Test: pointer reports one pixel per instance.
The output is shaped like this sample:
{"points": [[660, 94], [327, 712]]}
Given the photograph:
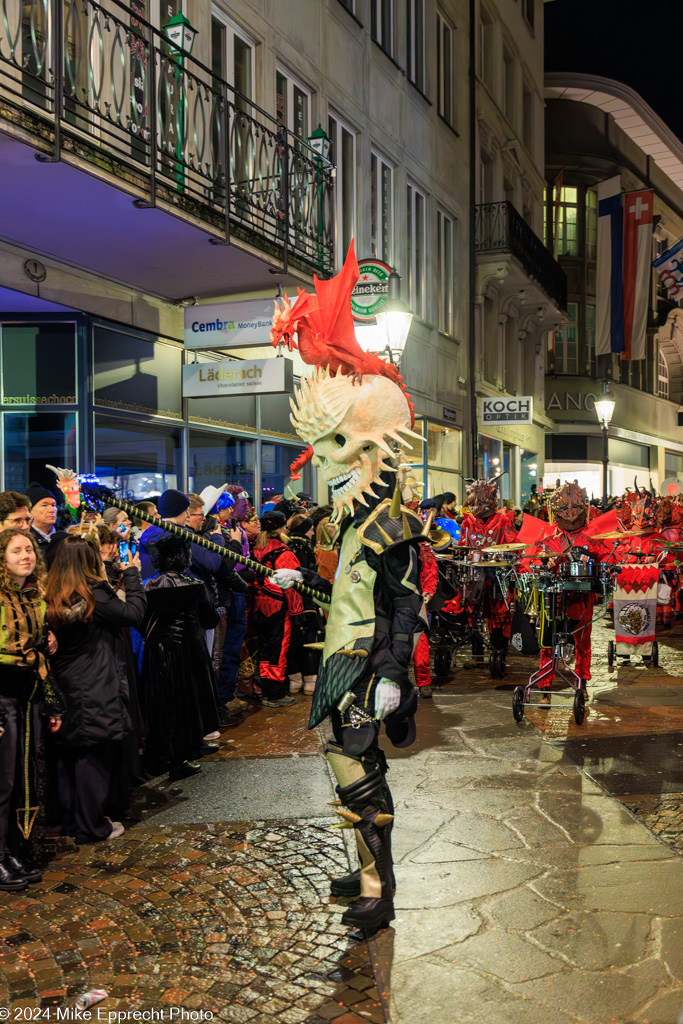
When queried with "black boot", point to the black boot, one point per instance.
{"points": [[27, 871], [367, 800], [9, 881], [347, 885]]}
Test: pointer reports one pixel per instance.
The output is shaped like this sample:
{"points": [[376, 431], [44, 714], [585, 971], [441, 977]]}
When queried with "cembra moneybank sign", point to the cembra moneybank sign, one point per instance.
{"points": [[229, 324], [237, 377]]}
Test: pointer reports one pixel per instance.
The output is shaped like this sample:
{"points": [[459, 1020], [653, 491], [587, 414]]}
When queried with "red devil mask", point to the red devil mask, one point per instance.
{"points": [[482, 498], [644, 512], [569, 506]]}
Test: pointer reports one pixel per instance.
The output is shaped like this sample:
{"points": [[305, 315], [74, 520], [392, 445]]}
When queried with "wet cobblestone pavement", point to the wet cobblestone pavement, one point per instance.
{"points": [[538, 865]]}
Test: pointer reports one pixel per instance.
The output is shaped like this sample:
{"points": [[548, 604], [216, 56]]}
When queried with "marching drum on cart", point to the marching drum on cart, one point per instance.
{"points": [[557, 589]]}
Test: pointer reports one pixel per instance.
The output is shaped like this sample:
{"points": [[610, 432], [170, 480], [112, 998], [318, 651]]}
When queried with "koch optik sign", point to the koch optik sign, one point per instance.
{"points": [[507, 410]]}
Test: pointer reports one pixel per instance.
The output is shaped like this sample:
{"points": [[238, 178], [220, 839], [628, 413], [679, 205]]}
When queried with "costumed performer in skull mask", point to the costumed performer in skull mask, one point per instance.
{"points": [[356, 417]]}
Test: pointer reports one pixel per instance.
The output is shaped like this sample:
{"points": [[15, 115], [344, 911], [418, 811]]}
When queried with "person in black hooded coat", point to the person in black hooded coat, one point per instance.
{"points": [[177, 688]]}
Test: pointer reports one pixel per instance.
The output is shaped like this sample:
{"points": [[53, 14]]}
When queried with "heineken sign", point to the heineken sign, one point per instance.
{"points": [[369, 297]]}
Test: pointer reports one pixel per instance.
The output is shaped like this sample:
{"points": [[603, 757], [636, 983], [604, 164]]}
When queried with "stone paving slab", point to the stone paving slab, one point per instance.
{"points": [[259, 789]]}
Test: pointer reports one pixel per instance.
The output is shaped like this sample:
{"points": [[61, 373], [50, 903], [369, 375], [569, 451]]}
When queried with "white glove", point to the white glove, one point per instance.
{"points": [[286, 578], [387, 698]]}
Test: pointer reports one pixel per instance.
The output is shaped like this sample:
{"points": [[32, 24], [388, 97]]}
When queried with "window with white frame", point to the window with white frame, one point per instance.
{"points": [[591, 224], [382, 208], [292, 104], [415, 226], [415, 38], [485, 46], [662, 375], [445, 234], [567, 342], [445, 77], [382, 23], [232, 54], [343, 155], [566, 221]]}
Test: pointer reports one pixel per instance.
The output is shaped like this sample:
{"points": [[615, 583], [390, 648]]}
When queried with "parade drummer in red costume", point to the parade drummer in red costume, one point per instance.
{"points": [[570, 539], [642, 544], [484, 526]]}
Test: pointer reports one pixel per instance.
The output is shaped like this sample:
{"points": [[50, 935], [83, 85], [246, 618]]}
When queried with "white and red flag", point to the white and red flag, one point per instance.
{"points": [[637, 257]]}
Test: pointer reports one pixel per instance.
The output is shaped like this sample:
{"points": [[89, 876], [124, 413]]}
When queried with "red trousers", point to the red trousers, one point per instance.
{"points": [[581, 616], [421, 662]]}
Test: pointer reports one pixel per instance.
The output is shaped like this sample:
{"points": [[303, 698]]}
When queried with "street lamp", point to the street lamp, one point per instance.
{"points": [[320, 143], [181, 35], [392, 325], [604, 410]]}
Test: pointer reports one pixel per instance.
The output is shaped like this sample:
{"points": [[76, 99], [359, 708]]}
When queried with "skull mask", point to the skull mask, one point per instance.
{"points": [[357, 431], [569, 506], [482, 498]]}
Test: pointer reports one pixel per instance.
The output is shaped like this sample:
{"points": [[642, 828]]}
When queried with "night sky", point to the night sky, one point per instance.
{"points": [[628, 40]]}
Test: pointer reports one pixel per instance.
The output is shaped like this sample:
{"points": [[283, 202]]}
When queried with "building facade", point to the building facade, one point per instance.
{"points": [[595, 129], [144, 180], [519, 291]]}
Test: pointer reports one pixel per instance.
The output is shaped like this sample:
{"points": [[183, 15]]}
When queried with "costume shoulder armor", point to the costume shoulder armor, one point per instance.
{"points": [[381, 530]]}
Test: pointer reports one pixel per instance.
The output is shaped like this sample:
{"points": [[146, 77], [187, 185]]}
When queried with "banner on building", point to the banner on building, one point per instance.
{"points": [[233, 377], [623, 269], [609, 332], [229, 324], [669, 270], [638, 210]]}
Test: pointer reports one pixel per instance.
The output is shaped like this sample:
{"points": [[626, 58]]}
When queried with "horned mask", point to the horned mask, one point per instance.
{"points": [[68, 483], [644, 512], [482, 497], [569, 505], [357, 431]]}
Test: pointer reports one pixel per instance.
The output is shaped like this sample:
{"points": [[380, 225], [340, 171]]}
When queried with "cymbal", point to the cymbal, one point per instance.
{"points": [[490, 565], [505, 547], [618, 534], [547, 555]]}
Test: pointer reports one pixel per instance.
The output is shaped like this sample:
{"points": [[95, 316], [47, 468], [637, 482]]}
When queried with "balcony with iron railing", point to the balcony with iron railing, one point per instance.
{"points": [[92, 85], [500, 229]]}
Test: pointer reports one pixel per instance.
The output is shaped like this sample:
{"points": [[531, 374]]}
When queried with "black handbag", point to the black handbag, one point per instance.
{"points": [[523, 637]]}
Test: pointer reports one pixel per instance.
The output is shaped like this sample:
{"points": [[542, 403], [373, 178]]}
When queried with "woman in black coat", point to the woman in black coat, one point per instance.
{"points": [[303, 661], [177, 682], [90, 667]]}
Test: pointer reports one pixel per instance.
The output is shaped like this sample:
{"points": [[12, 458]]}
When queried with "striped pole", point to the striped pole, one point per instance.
{"points": [[194, 538]]}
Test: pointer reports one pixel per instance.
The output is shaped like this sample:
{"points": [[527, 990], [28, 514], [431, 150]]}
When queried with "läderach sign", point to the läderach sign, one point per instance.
{"points": [[238, 377], [370, 295]]}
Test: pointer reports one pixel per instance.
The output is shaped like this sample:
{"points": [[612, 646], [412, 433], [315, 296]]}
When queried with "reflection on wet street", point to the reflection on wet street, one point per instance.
{"points": [[538, 870]]}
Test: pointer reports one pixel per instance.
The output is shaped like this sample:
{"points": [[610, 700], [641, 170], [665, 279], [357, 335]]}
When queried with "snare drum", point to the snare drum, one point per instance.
{"points": [[585, 570]]}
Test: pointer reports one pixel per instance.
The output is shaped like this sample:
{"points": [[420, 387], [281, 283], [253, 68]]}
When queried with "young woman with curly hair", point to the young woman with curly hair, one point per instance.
{"points": [[91, 671], [26, 688]]}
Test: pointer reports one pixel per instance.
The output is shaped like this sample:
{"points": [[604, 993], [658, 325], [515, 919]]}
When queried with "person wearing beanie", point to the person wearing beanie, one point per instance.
{"points": [[302, 662], [274, 610], [44, 513], [173, 506]]}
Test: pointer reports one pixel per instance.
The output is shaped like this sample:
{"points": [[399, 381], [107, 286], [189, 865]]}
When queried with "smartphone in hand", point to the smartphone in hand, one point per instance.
{"points": [[124, 553]]}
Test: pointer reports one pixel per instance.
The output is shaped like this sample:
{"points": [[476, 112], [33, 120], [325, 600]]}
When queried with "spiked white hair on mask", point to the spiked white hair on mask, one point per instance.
{"points": [[356, 430]]}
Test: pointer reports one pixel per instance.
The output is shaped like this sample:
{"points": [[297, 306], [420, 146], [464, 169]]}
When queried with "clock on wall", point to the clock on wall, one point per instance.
{"points": [[35, 271]]}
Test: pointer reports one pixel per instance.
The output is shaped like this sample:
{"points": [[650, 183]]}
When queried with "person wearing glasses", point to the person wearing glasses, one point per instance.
{"points": [[15, 511]]}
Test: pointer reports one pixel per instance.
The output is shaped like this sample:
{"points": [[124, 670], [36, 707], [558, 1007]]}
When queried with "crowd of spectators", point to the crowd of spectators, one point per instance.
{"points": [[126, 648]]}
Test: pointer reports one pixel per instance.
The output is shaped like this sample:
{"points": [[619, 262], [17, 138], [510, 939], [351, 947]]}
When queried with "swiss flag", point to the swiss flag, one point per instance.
{"points": [[637, 255]]}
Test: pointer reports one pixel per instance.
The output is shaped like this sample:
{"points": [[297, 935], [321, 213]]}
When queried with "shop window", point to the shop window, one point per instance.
{"points": [[626, 453], [445, 77], [529, 473], [566, 219], [382, 208], [39, 364], [343, 156], [276, 460], [490, 456], [416, 249], [235, 413], [662, 376], [136, 375], [218, 459], [275, 417], [32, 439], [134, 458]]}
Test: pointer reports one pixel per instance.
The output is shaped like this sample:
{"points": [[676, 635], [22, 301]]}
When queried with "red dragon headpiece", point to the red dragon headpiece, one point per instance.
{"points": [[569, 505]]}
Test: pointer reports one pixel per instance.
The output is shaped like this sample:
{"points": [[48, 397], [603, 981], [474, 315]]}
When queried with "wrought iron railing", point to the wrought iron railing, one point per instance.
{"points": [[499, 228], [92, 80]]}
